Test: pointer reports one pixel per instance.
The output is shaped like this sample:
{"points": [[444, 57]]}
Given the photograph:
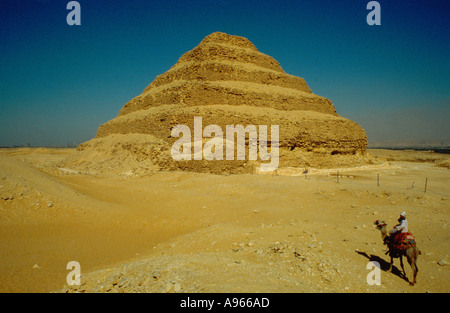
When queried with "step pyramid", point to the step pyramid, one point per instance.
{"points": [[224, 80]]}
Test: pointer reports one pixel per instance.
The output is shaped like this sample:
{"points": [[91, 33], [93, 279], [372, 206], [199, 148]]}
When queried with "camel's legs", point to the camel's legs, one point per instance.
{"points": [[401, 264], [412, 262]]}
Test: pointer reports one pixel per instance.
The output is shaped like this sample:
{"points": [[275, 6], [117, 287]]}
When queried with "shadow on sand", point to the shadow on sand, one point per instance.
{"points": [[384, 264]]}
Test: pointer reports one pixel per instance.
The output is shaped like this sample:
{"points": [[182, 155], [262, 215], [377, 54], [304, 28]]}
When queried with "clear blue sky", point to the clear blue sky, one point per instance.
{"points": [[58, 83]]}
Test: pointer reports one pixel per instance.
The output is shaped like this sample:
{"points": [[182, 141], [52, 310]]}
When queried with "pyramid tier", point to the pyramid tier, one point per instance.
{"points": [[197, 93], [223, 38], [224, 52], [228, 71], [306, 130]]}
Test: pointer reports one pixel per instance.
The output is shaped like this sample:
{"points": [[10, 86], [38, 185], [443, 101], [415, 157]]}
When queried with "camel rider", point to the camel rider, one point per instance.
{"points": [[401, 227]]}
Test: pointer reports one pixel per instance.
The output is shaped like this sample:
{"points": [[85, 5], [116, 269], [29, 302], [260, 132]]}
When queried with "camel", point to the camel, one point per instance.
{"points": [[409, 250]]}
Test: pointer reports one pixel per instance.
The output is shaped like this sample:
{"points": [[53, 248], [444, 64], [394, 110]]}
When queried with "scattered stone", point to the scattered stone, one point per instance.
{"points": [[168, 288], [177, 287]]}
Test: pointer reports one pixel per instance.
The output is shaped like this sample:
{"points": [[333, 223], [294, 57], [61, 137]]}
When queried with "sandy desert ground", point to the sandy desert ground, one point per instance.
{"points": [[191, 232]]}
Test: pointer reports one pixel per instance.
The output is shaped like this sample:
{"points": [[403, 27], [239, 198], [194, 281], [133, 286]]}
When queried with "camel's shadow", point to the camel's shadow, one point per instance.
{"points": [[384, 265]]}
